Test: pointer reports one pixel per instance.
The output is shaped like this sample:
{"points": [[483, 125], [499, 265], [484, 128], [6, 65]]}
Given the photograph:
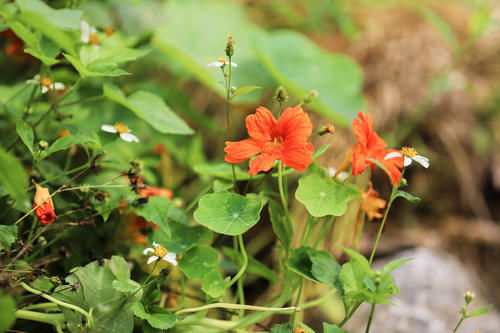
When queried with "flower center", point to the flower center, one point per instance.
{"points": [[94, 39], [408, 152], [273, 146], [120, 128], [45, 81], [222, 59], [160, 251]]}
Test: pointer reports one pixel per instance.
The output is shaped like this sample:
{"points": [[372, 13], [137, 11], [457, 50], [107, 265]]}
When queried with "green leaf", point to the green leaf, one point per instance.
{"points": [[7, 310], [181, 238], [126, 286], [155, 210], [407, 196], [315, 265], [162, 321], [120, 268], [25, 132], [301, 66], [198, 261], [214, 285], [95, 70], [67, 142], [151, 108], [282, 328], [479, 312], [320, 151], [13, 176], [245, 90], [352, 275], [282, 225], [8, 235], [331, 328], [228, 213], [395, 264], [67, 19], [321, 196], [358, 257], [254, 266]]}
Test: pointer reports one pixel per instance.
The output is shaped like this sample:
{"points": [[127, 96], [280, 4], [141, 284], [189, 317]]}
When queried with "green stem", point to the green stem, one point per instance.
{"points": [[58, 302], [351, 312], [83, 100], [150, 274], [370, 319], [324, 230], [45, 306], [241, 296], [55, 319], [458, 324], [318, 301], [237, 307], [282, 192], [391, 199], [297, 300], [245, 262]]}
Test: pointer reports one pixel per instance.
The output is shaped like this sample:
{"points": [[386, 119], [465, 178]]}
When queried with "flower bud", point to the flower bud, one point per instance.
{"points": [[233, 89], [45, 211], [330, 129], [43, 144], [469, 296], [229, 46], [310, 96], [281, 94]]}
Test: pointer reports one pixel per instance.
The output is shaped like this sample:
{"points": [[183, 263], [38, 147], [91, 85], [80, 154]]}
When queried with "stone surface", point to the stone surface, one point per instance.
{"points": [[432, 287]]}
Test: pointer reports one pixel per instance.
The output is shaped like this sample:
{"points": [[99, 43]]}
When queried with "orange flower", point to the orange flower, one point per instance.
{"points": [[45, 211], [372, 203], [284, 139], [370, 145], [152, 191]]}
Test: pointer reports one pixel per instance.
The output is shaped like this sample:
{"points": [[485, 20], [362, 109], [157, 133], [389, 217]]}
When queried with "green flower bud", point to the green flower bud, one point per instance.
{"points": [[310, 96], [43, 144], [229, 46], [281, 94], [469, 296]]}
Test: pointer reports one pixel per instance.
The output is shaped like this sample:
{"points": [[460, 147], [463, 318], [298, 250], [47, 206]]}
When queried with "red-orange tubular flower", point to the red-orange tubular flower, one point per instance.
{"points": [[284, 139], [45, 211], [370, 145]]}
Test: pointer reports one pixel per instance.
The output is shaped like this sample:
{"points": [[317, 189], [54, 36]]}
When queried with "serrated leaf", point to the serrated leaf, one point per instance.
{"points": [[109, 69], [155, 210], [358, 257], [25, 132], [198, 261], [8, 235], [13, 176], [395, 264], [321, 196], [228, 213], [315, 265]]}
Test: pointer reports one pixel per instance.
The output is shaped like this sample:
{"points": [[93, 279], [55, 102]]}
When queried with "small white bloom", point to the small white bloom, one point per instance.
{"points": [[46, 83], [122, 130], [221, 62], [88, 34], [341, 176], [160, 252], [409, 154]]}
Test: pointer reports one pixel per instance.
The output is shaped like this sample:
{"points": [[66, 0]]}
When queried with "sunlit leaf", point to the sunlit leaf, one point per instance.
{"points": [[321, 196]]}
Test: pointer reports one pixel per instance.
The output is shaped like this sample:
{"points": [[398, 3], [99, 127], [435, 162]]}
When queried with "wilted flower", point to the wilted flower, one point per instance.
{"points": [[45, 211], [160, 252], [122, 130], [46, 83], [409, 154], [221, 62], [284, 139], [372, 203]]}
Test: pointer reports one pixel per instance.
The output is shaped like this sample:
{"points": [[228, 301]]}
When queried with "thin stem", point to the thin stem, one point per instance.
{"points": [[237, 307], [241, 295], [45, 306], [370, 318], [150, 274], [458, 324], [318, 301], [245, 262], [197, 198], [297, 300], [282, 193], [83, 100], [324, 230], [391, 199], [351, 312]]}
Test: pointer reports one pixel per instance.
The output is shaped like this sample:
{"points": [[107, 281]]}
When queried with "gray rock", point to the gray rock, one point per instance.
{"points": [[432, 287]]}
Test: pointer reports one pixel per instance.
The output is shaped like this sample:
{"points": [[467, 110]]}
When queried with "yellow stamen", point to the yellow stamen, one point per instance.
{"points": [[222, 59], [160, 251], [121, 128], [94, 39], [45, 81], [408, 152]]}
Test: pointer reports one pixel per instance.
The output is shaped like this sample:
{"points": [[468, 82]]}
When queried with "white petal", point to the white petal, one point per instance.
{"points": [[44, 89], [215, 64], [407, 161], [146, 251], [392, 155], [424, 161], [331, 171], [152, 258], [33, 81], [232, 64], [108, 128], [155, 244], [59, 86], [129, 137], [85, 31], [171, 258], [343, 176]]}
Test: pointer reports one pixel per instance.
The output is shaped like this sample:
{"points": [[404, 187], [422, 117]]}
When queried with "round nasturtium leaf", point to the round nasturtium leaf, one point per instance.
{"points": [[228, 213], [322, 196]]}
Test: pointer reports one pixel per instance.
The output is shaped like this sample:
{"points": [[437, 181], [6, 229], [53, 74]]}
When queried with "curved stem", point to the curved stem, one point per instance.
{"points": [[237, 307], [245, 262], [370, 319], [54, 319]]}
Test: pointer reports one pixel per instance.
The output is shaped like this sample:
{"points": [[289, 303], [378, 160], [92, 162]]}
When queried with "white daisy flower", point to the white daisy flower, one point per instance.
{"points": [[88, 34], [46, 83], [122, 130], [221, 62], [160, 252], [409, 154]]}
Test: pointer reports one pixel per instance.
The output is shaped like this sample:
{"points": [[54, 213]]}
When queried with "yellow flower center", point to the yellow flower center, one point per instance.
{"points": [[160, 251], [222, 59], [408, 152], [120, 128], [94, 39], [45, 81], [273, 146], [330, 128]]}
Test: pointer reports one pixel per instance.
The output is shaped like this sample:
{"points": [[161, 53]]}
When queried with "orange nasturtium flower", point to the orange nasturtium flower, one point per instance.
{"points": [[45, 211], [284, 139]]}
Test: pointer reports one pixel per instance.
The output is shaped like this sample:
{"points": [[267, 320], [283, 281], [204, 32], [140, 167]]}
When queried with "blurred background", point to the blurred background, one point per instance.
{"points": [[427, 72]]}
